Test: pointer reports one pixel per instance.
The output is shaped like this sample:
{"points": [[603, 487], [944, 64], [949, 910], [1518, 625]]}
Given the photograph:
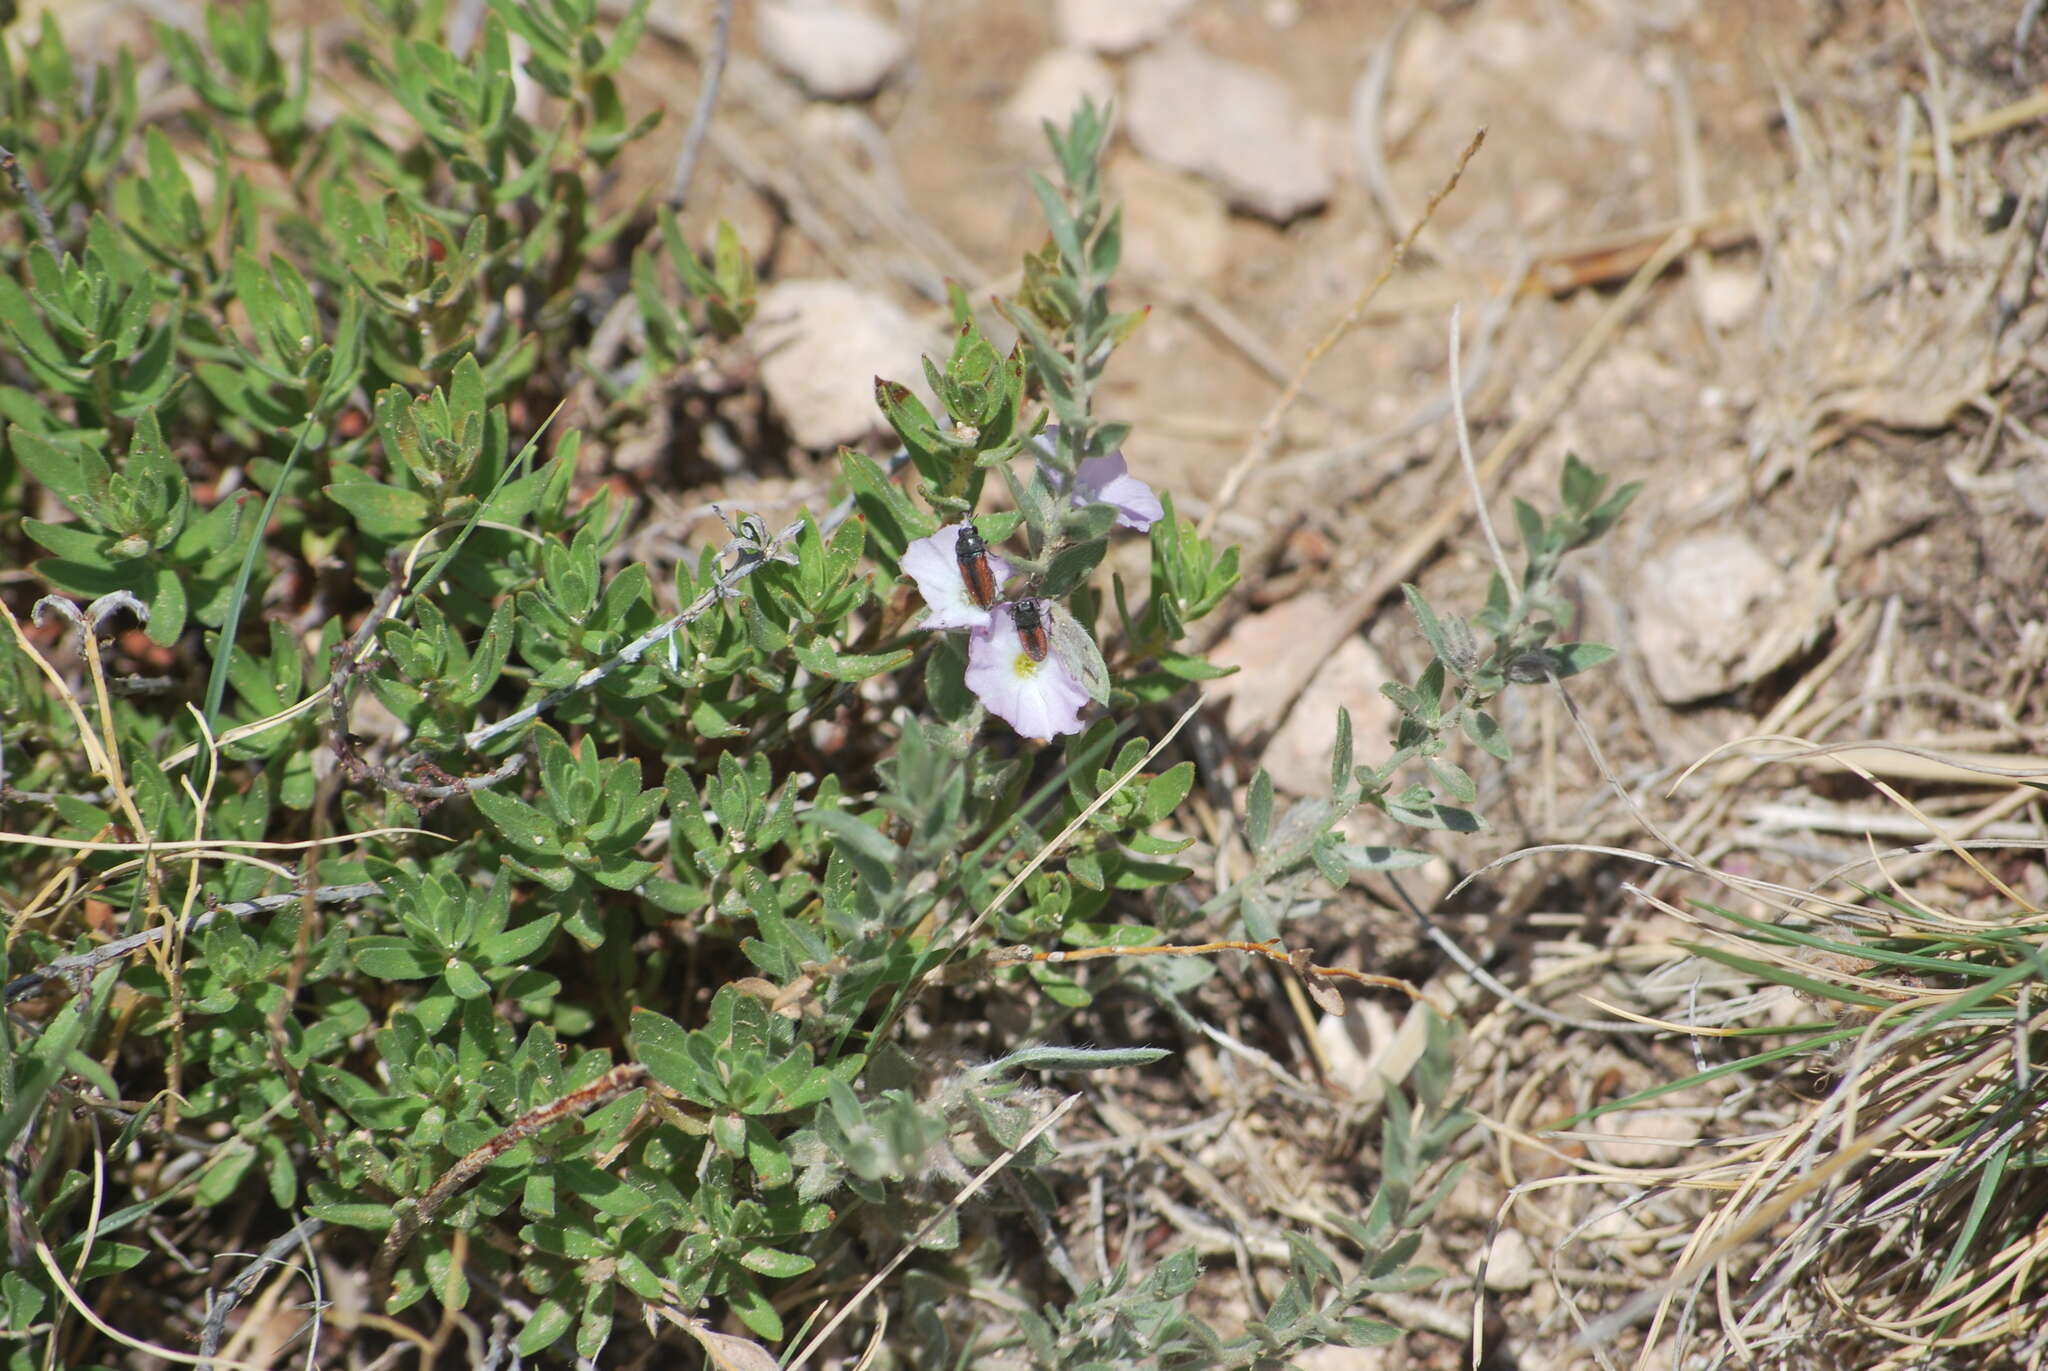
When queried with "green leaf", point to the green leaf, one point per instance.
{"points": [[377, 1218], [1431, 815], [551, 1319], [775, 1263], [872, 853], [45, 1063], [662, 1045], [1368, 857], [1572, 658], [1455, 782], [1071, 567], [1051, 1058], [893, 521], [821, 659], [1258, 810], [463, 980], [519, 821], [168, 608], [1164, 792], [517, 945], [1432, 630], [1487, 733], [384, 512], [394, 959], [753, 1307], [1580, 485]]}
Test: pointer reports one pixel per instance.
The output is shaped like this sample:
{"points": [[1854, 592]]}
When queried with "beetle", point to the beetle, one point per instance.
{"points": [[975, 572], [1030, 620]]}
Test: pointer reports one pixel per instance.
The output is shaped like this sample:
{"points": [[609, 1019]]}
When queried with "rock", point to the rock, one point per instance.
{"points": [[1501, 67], [834, 51], [1608, 94], [1510, 1262], [1353, 1044], [1298, 757], [1052, 89], [1174, 225], [1728, 295], [1714, 613], [1646, 1137], [822, 344], [1225, 121], [1428, 59], [1270, 670], [1116, 26]]}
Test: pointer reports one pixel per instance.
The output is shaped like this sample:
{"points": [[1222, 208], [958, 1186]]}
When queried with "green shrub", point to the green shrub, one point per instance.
{"points": [[581, 993]]}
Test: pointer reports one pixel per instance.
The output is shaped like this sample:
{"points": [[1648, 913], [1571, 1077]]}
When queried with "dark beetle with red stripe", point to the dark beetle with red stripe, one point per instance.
{"points": [[1029, 617], [975, 571]]}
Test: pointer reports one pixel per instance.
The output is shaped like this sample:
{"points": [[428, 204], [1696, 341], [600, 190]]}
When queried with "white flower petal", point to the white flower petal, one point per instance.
{"points": [[935, 565], [1038, 699]]}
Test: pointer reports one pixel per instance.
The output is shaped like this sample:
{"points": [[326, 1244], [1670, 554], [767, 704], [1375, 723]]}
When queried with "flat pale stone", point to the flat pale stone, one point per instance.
{"points": [[1729, 295], [1646, 1137], [1230, 123], [1265, 647], [1116, 26], [834, 51], [1511, 1262], [1174, 224], [822, 344], [1298, 757], [1713, 613], [1051, 90]]}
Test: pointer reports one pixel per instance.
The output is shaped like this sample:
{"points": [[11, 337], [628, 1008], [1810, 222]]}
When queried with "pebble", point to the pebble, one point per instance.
{"points": [[1510, 1262], [822, 344], [1713, 613], [1271, 671], [1174, 225], [1116, 26], [1645, 1137], [1729, 294], [834, 51], [1298, 758], [1229, 123], [1052, 89]]}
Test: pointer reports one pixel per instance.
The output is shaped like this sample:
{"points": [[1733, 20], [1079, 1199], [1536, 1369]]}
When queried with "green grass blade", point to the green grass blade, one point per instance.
{"points": [[1778, 975], [1714, 1073], [238, 594]]}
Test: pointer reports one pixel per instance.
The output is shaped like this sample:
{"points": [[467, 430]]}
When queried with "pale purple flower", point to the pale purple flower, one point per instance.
{"points": [[935, 565], [1108, 480], [1040, 699], [1105, 480]]}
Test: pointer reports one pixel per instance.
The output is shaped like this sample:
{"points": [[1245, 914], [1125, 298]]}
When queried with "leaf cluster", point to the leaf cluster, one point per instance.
{"points": [[562, 926]]}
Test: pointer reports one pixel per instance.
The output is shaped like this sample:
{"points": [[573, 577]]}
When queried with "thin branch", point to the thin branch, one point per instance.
{"points": [[408, 1218], [10, 166], [85, 963], [1262, 441], [749, 557], [1464, 431], [707, 98], [237, 1290]]}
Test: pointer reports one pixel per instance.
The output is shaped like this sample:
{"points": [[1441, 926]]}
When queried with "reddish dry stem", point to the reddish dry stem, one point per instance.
{"points": [[603, 1090]]}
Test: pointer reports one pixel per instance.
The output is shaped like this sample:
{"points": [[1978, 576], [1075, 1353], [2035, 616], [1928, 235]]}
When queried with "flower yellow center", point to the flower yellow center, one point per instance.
{"points": [[1024, 666]]}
